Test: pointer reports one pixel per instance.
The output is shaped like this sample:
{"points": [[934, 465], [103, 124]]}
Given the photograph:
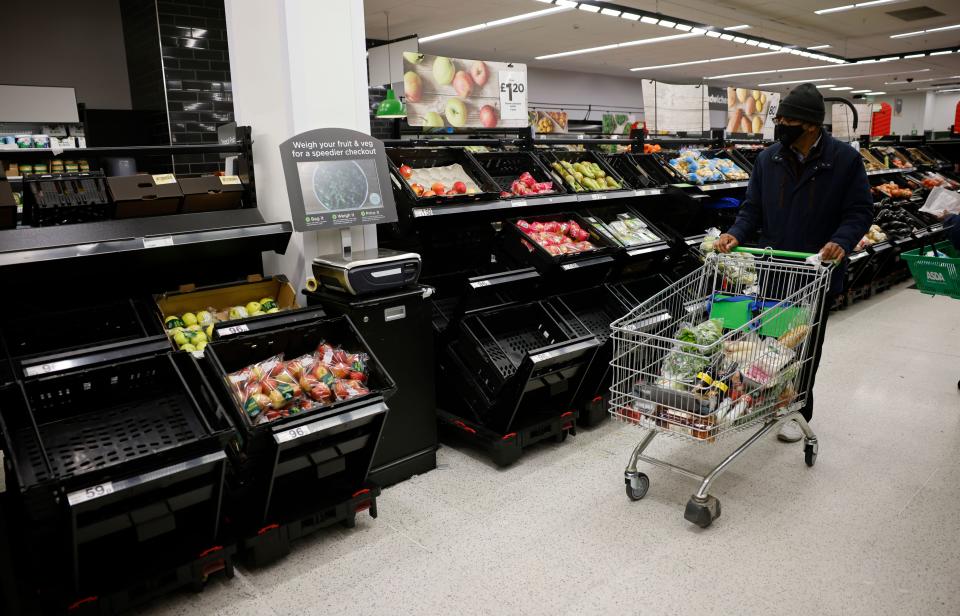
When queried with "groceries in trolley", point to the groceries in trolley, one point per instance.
{"points": [[274, 388], [722, 348]]}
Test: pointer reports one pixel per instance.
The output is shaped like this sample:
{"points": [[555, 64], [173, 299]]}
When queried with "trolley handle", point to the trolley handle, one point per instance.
{"points": [[786, 254], [810, 257]]}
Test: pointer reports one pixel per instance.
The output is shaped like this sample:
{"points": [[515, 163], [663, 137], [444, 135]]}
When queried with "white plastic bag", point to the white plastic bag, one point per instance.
{"points": [[941, 199]]}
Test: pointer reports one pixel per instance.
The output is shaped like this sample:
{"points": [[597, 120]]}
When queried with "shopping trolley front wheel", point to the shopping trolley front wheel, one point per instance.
{"points": [[702, 511], [637, 485]]}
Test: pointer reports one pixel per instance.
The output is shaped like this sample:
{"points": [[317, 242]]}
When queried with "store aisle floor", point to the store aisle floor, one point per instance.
{"points": [[871, 529]]}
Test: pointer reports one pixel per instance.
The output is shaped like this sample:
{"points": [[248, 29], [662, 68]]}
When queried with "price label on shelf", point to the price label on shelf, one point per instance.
{"points": [[518, 203], [513, 95], [293, 434], [157, 242], [422, 211], [229, 179], [88, 494], [234, 329], [569, 266], [480, 283], [164, 178], [597, 197]]}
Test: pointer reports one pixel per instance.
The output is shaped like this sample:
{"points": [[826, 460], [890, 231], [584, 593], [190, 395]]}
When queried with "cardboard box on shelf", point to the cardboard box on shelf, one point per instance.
{"points": [[143, 195], [210, 193]]}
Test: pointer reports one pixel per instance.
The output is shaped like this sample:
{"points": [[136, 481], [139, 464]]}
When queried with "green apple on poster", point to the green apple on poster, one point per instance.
{"points": [[439, 92]]}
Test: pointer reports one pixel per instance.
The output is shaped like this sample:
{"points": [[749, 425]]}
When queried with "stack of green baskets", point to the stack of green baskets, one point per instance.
{"points": [[936, 275]]}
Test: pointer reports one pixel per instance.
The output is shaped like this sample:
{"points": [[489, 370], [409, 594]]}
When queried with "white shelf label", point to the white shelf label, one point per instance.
{"points": [[518, 203], [570, 266], [157, 242], [423, 211], [513, 95], [88, 494], [229, 179], [234, 329], [293, 434], [596, 197], [480, 283], [164, 178]]}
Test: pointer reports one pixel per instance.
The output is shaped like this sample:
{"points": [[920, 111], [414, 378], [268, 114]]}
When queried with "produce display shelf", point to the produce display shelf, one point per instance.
{"points": [[723, 186], [141, 150], [32, 245], [505, 449], [273, 542], [894, 170], [509, 204]]}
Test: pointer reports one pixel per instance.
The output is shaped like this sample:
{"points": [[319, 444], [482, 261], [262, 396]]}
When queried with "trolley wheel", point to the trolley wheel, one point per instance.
{"points": [[643, 484], [702, 513], [810, 453]]}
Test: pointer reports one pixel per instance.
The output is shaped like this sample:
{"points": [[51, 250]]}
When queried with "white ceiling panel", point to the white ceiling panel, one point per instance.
{"points": [[855, 33]]}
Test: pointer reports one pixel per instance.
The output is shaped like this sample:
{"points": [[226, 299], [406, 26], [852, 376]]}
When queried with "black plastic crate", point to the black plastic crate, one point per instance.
{"points": [[33, 332], [505, 167], [66, 198], [118, 465], [297, 465], [590, 312], [419, 158], [528, 252], [634, 292], [629, 167], [549, 157]]}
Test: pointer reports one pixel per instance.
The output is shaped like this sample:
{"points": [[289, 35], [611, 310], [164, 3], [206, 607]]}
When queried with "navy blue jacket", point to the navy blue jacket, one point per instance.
{"points": [[952, 225], [803, 206]]}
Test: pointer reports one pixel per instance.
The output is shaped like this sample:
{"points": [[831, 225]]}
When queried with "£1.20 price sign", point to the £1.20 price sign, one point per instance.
{"points": [[513, 95]]}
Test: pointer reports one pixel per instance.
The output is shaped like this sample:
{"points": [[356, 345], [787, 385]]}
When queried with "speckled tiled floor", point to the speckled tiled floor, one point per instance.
{"points": [[872, 529]]}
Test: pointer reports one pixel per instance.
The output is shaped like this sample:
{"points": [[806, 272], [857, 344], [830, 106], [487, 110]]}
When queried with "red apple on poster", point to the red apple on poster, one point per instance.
{"points": [[488, 116], [462, 83], [412, 87], [480, 73]]}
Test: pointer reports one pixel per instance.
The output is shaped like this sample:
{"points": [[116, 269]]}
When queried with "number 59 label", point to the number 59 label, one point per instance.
{"points": [[513, 95], [88, 494]]}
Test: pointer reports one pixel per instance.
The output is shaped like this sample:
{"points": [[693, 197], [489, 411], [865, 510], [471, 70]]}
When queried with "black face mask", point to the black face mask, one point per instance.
{"points": [[787, 135]]}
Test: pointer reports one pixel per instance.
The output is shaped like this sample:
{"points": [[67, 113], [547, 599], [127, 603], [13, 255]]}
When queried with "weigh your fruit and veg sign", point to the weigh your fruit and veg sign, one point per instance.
{"points": [[444, 92], [336, 178]]}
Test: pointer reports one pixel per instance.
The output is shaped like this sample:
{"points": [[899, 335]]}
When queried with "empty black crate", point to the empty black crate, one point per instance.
{"points": [[638, 175], [423, 158], [293, 466], [505, 167], [66, 198], [549, 157], [494, 342], [119, 467], [32, 332]]}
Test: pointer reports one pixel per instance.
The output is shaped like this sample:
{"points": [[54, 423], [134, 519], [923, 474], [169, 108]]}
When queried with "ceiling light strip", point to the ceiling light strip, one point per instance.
{"points": [[724, 59], [835, 78], [850, 7], [658, 39], [495, 23], [927, 31]]}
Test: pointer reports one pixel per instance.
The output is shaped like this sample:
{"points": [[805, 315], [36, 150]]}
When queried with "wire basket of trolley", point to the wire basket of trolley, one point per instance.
{"points": [[724, 349]]}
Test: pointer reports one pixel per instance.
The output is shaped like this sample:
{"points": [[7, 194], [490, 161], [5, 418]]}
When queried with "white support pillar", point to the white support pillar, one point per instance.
{"points": [[928, 112], [297, 65]]}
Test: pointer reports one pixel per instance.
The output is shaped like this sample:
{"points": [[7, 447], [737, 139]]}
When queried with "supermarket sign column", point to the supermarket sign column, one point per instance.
{"points": [[337, 178]]}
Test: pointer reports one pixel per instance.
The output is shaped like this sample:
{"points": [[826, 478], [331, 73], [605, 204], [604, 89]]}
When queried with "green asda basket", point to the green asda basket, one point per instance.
{"points": [[936, 275]]}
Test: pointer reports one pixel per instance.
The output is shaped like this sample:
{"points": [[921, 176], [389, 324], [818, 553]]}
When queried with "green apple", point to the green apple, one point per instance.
{"points": [[413, 57], [199, 337], [189, 319], [194, 328], [443, 70], [253, 307], [257, 313], [209, 331], [204, 317], [433, 120], [188, 347], [456, 112], [238, 312], [180, 338], [200, 346]]}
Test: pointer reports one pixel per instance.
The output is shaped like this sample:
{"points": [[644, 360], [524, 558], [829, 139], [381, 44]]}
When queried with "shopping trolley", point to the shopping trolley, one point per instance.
{"points": [[727, 347]]}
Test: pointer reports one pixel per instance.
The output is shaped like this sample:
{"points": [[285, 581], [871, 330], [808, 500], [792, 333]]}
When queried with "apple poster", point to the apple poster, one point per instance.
{"points": [[751, 111], [442, 92]]}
